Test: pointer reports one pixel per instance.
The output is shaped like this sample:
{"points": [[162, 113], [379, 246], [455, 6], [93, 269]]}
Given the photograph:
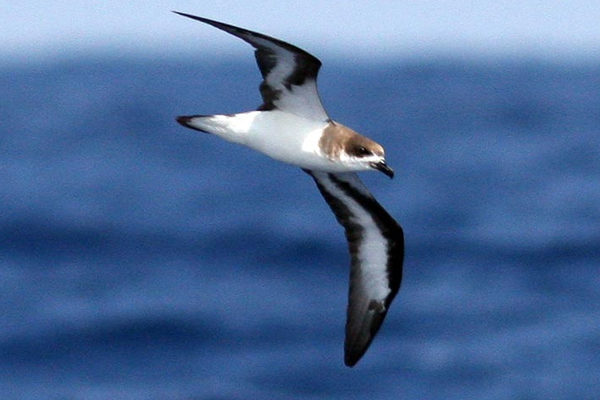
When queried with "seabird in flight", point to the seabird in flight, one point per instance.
{"points": [[292, 126]]}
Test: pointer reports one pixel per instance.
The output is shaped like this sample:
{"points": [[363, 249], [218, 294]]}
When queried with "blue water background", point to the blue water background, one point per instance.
{"points": [[141, 260]]}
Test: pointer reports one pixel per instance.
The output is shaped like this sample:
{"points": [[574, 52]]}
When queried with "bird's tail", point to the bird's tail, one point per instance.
{"points": [[231, 127], [202, 123]]}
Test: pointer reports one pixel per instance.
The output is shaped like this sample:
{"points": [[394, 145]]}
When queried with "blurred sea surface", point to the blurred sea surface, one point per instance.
{"points": [[142, 260]]}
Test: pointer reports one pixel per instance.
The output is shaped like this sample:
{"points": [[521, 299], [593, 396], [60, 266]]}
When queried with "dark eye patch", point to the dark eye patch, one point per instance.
{"points": [[361, 151]]}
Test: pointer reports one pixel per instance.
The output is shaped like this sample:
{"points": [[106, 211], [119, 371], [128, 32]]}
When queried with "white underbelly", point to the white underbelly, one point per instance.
{"points": [[288, 138], [283, 136]]}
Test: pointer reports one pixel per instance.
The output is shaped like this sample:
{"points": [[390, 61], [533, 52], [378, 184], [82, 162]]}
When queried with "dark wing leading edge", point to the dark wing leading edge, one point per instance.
{"points": [[376, 244], [289, 73]]}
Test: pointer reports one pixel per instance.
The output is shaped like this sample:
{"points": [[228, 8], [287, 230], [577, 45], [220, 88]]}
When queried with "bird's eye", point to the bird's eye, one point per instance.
{"points": [[362, 151]]}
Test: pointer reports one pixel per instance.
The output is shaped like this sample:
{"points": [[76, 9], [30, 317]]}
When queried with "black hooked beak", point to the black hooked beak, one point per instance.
{"points": [[383, 167]]}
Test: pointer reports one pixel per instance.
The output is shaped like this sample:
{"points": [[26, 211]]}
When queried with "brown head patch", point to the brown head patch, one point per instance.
{"points": [[337, 138]]}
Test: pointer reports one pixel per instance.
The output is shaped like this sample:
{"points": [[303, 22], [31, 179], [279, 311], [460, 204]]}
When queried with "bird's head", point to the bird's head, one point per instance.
{"points": [[346, 146], [365, 154]]}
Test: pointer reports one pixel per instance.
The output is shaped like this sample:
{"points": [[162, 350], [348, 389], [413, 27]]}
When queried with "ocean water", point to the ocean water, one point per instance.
{"points": [[142, 260]]}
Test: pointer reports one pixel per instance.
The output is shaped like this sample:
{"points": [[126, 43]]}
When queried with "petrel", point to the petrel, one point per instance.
{"points": [[292, 126]]}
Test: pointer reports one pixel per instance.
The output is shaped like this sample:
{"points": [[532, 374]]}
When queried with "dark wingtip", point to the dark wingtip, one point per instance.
{"points": [[354, 352], [201, 19], [181, 13], [350, 360]]}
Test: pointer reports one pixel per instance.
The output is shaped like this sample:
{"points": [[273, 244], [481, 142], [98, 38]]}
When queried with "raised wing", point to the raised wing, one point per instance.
{"points": [[289, 73], [376, 244]]}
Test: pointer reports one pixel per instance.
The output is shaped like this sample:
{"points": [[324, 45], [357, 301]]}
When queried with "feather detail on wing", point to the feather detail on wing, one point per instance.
{"points": [[376, 244], [289, 73]]}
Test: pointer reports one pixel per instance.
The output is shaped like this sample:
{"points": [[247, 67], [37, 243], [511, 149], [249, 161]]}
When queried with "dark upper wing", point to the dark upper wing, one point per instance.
{"points": [[376, 244], [289, 73]]}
